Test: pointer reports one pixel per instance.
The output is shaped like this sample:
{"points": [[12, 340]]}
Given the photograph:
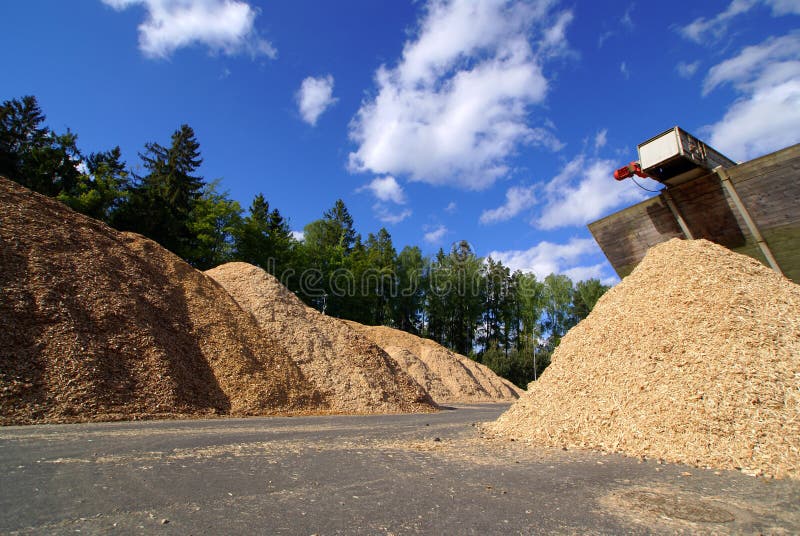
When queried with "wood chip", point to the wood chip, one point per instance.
{"points": [[447, 376], [693, 358], [354, 374], [101, 325]]}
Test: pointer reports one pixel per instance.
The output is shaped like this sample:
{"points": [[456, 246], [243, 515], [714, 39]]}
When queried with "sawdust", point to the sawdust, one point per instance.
{"points": [[101, 325], [449, 377], [354, 374], [693, 358]]}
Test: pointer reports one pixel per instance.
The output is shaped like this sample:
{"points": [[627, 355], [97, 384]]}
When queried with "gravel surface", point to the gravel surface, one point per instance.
{"points": [[382, 474]]}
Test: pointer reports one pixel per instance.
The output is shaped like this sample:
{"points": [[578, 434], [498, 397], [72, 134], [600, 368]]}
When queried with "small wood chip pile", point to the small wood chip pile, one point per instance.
{"points": [[101, 325], [354, 374], [693, 358], [447, 376]]}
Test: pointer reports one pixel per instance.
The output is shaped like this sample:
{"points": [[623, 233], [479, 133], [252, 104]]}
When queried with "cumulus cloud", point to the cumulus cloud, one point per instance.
{"points": [[687, 70], [435, 235], [300, 236], [224, 26], [314, 97], [547, 258], [704, 30], [457, 103], [594, 271], [766, 117], [386, 189], [584, 191], [518, 198]]}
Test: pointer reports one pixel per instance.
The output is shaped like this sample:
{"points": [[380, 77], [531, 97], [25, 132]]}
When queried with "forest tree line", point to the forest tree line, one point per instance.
{"points": [[510, 321]]}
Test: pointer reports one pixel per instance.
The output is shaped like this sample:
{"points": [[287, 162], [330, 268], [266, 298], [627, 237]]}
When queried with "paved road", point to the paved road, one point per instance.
{"points": [[401, 474]]}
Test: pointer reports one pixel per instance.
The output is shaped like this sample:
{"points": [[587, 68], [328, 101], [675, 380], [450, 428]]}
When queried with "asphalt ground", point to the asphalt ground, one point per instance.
{"points": [[395, 474]]}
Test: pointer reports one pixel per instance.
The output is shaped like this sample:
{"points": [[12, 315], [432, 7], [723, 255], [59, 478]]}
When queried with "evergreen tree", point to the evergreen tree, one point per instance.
{"points": [[379, 281], [341, 225], [31, 154], [22, 131], [496, 308], [265, 240], [409, 299], [160, 206]]}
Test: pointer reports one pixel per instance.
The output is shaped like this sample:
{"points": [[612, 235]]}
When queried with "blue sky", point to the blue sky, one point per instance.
{"points": [[496, 122]]}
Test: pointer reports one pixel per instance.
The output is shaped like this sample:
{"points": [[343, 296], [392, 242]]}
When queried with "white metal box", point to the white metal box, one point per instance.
{"points": [[675, 156]]}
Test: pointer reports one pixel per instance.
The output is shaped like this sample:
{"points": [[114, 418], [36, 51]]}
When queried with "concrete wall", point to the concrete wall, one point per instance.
{"points": [[769, 188]]}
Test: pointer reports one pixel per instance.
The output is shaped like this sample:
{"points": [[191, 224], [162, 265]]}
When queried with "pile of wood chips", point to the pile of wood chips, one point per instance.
{"points": [[354, 374], [101, 325], [447, 376], [693, 358]]}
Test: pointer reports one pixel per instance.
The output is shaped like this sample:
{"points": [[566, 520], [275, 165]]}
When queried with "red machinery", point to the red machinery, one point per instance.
{"points": [[629, 171]]}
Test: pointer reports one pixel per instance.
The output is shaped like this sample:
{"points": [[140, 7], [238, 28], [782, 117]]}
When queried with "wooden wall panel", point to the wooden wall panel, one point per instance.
{"points": [[769, 188]]}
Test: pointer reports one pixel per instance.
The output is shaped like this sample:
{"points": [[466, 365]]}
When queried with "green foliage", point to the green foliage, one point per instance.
{"points": [[100, 190], [215, 222], [264, 238], [412, 270], [161, 205], [586, 295], [33, 155]]}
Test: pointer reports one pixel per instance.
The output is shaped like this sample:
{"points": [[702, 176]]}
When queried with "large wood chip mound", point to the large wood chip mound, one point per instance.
{"points": [[447, 376], [693, 358], [354, 374], [101, 325]]}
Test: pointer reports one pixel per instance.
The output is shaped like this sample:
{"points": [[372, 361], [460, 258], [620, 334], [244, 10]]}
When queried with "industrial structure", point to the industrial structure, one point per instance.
{"points": [[752, 208]]}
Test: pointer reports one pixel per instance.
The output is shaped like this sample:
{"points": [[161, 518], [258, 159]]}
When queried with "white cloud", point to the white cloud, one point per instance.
{"points": [[784, 7], [224, 26], [766, 117], [314, 97], [518, 198], [687, 70], [300, 236], [451, 207], [623, 69], [435, 236], [703, 30], [582, 273], [456, 105], [384, 214], [626, 19], [755, 67], [584, 191], [547, 258], [600, 139], [386, 189]]}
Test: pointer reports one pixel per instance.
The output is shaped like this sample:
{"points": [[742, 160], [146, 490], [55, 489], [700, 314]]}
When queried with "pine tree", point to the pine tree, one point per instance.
{"points": [[160, 206], [31, 154]]}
